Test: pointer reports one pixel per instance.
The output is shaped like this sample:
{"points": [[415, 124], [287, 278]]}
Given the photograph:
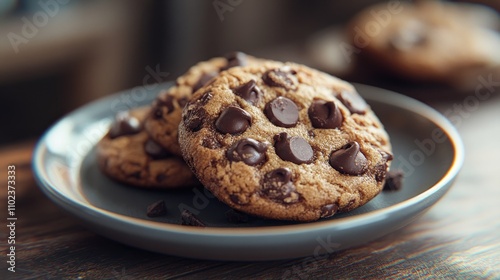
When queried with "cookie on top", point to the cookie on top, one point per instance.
{"points": [[283, 141]]}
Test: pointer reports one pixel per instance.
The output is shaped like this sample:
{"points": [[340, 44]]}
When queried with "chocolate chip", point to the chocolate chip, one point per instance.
{"points": [[233, 120], [349, 160], [157, 113], [277, 185], [380, 170], [325, 114], [157, 209], [249, 91], [190, 219], [282, 111], [154, 150], [124, 124], [182, 101], [250, 151], [235, 59], [204, 79], [329, 210], [353, 102], [394, 180], [294, 149], [238, 199], [166, 101], [234, 216], [280, 78], [194, 118]]}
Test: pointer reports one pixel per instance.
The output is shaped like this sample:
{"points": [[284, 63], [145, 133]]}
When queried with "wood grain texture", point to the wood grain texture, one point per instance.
{"points": [[459, 238]]}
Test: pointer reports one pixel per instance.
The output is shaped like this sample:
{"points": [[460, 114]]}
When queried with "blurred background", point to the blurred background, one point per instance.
{"points": [[56, 55]]}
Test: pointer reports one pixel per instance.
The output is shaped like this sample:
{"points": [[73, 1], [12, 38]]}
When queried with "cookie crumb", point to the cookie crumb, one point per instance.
{"points": [[394, 180], [157, 209], [190, 219]]}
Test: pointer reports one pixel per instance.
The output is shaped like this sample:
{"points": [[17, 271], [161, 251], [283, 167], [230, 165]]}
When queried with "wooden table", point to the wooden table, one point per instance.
{"points": [[458, 238]]}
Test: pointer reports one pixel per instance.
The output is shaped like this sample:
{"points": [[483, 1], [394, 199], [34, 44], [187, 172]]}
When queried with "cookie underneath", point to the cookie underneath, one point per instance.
{"points": [[166, 111], [128, 155]]}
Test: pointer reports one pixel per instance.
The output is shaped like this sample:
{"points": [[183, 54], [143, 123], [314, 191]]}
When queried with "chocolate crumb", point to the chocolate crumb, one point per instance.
{"points": [[157, 209], [190, 219], [236, 217], [394, 180]]}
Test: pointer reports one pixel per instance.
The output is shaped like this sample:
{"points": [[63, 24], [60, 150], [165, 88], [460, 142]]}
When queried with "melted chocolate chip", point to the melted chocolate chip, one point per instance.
{"points": [[280, 78], [235, 59], [294, 149], [249, 91], [277, 185], [353, 102], [282, 111], [190, 219], [154, 150], [157, 209], [329, 210], [233, 120], [325, 114], [394, 180], [204, 79], [349, 160], [250, 151], [124, 124], [194, 118], [380, 170]]}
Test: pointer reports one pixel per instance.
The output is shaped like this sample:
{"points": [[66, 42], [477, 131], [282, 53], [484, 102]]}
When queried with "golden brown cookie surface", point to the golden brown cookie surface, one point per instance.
{"points": [[283, 141]]}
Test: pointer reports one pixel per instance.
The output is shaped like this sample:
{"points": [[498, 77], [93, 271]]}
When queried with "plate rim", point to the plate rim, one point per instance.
{"points": [[389, 97]]}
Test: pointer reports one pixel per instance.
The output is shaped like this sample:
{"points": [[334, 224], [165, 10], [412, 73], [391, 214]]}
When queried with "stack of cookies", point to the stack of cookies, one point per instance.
{"points": [[271, 139]]}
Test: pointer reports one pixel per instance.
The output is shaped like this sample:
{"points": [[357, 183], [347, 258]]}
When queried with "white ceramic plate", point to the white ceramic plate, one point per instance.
{"points": [[426, 147]]}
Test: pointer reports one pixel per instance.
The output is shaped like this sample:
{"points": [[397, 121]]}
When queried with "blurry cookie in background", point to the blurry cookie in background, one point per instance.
{"points": [[428, 41]]}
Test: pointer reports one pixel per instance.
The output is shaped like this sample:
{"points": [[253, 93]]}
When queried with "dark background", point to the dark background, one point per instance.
{"points": [[89, 49]]}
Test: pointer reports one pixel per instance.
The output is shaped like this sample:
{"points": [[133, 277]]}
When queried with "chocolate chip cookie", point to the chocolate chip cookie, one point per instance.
{"points": [[165, 116], [428, 40], [283, 141], [127, 154]]}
